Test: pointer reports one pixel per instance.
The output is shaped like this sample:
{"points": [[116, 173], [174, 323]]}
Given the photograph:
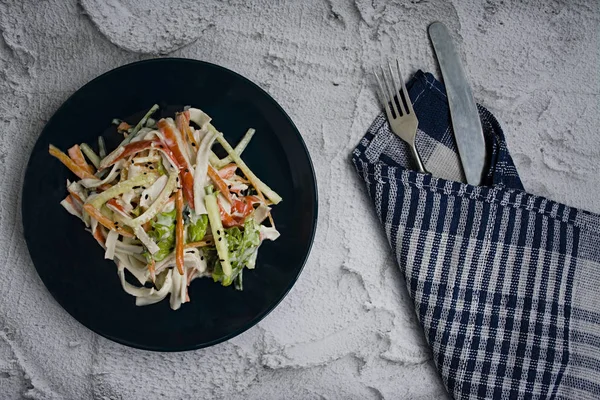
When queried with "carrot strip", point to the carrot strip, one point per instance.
{"points": [[183, 124], [77, 157], [98, 235], [190, 136], [219, 182], [202, 243], [128, 150], [69, 163], [179, 232], [152, 270], [104, 221]]}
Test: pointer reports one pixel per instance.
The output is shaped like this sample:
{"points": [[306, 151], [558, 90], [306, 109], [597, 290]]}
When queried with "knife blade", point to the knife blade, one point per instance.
{"points": [[463, 110]]}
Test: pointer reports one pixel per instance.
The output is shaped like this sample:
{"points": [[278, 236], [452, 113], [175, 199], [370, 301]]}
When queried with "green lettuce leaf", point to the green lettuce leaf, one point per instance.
{"points": [[197, 230], [163, 233], [243, 246]]}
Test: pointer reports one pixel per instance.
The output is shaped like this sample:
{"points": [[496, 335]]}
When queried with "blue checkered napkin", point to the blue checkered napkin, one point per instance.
{"points": [[505, 284]]}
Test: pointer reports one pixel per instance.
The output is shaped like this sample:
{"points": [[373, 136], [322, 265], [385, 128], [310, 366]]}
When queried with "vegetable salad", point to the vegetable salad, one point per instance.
{"points": [[167, 209]]}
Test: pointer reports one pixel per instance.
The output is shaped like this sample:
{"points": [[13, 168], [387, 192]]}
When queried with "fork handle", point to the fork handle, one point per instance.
{"points": [[417, 157]]}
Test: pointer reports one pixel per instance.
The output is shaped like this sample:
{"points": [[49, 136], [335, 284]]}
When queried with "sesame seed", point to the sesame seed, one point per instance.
{"points": [[193, 144], [146, 196], [133, 162], [151, 167], [201, 258], [229, 186], [145, 173], [220, 239], [218, 232]]}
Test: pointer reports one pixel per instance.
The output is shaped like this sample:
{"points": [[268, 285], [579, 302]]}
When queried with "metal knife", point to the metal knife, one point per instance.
{"points": [[463, 111]]}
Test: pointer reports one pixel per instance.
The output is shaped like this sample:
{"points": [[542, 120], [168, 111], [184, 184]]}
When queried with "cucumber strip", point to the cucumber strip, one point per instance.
{"points": [[101, 147], [258, 184], [139, 125], [214, 217], [118, 189], [90, 154], [239, 148], [214, 159]]}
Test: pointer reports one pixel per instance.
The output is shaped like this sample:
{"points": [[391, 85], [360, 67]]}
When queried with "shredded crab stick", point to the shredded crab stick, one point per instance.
{"points": [[77, 157], [228, 171], [150, 204], [174, 142], [182, 121], [125, 151]]}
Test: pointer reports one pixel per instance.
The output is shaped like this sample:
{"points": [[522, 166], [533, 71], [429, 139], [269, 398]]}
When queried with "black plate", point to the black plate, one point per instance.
{"points": [[72, 265]]}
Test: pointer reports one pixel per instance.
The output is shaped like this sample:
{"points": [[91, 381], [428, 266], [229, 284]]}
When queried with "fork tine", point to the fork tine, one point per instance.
{"points": [[396, 91], [390, 92], [382, 97], [404, 91], [381, 90]]}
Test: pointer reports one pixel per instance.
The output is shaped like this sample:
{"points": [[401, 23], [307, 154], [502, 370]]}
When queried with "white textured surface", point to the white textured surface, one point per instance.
{"points": [[346, 330]]}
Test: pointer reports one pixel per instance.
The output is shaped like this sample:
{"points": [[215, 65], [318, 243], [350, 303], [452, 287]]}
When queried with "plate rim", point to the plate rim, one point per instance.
{"points": [[315, 201]]}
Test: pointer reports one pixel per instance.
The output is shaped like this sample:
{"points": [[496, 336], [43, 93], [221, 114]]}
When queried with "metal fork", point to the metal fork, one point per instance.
{"points": [[399, 110]]}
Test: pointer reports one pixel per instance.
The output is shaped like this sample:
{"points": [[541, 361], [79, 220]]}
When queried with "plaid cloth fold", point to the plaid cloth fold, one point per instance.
{"points": [[505, 283]]}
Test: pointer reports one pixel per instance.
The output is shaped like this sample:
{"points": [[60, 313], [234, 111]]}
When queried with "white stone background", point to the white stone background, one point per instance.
{"points": [[346, 330]]}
